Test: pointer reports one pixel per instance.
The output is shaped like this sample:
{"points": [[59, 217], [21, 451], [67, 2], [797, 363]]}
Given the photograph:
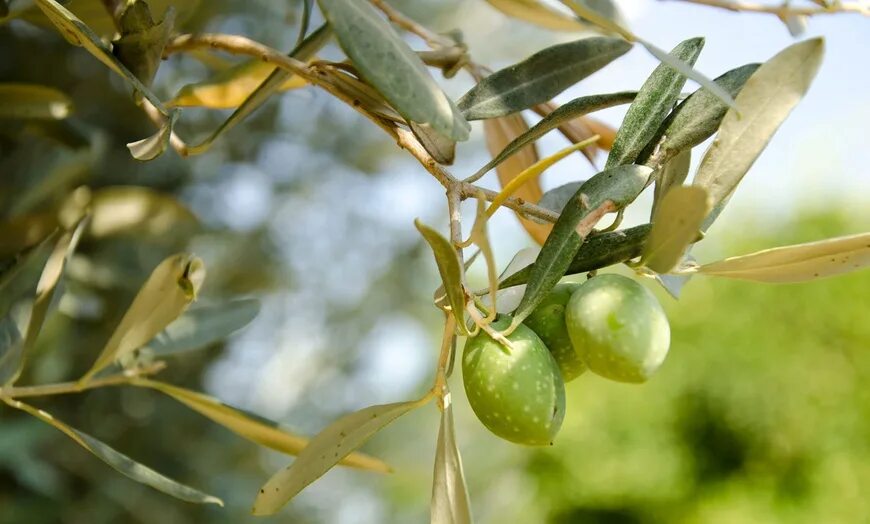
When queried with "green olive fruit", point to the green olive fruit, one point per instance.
{"points": [[548, 322], [518, 394], [618, 328]]}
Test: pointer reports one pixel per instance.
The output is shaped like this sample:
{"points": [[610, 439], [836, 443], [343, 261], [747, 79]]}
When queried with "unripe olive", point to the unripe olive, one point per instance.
{"points": [[618, 328], [518, 394], [548, 322]]}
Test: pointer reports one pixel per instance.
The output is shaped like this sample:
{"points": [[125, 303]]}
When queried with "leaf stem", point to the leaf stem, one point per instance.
{"points": [[66, 388]]}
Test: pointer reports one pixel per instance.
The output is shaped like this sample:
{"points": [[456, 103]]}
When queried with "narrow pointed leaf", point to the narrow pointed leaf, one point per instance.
{"points": [[556, 198], [33, 101], [449, 493], [448, 267], [137, 210], [202, 326], [156, 144], [120, 462], [565, 113], [606, 192], [765, 101], [253, 427], [500, 132], [332, 444], [540, 14], [673, 173], [439, 147], [797, 263], [598, 251], [654, 101], [387, 63], [540, 77], [171, 287], [686, 70], [230, 88], [675, 226]]}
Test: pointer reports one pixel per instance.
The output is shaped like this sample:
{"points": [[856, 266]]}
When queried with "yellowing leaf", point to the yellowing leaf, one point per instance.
{"points": [[120, 462], [448, 267], [539, 14], [499, 133], [252, 427], [675, 225], [332, 444], [153, 146], [449, 493], [796, 263], [33, 101], [136, 210], [230, 88], [171, 287]]}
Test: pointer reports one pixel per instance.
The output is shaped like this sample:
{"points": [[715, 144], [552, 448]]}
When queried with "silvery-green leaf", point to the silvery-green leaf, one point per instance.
{"points": [[540, 77], [387, 63], [673, 173], [556, 198], [449, 493], [796, 24], [202, 326], [765, 101], [439, 147], [33, 101], [676, 224], [448, 267], [654, 101]]}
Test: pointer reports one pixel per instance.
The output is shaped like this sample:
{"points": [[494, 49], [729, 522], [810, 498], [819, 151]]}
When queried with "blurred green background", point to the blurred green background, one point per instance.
{"points": [[760, 414]]}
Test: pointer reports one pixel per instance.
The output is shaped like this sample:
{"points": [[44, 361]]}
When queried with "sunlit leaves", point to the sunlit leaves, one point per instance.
{"points": [[449, 493], [565, 113], [388, 64], [673, 173], [606, 192], [230, 88], [539, 77], [676, 224], [135, 210], [331, 445], [202, 326], [448, 267], [120, 462], [765, 101], [538, 13], [155, 145], [171, 287], [34, 101], [652, 104], [253, 427], [796, 263]]}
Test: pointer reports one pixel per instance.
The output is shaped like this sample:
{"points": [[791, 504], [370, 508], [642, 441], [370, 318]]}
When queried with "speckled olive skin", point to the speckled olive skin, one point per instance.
{"points": [[618, 328], [548, 322], [519, 396]]}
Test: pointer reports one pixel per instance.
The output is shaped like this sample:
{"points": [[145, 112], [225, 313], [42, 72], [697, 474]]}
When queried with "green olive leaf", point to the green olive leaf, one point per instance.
{"points": [[253, 427], [202, 326], [566, 112], [172, 286], [673, 173], [540, 14], [439, 147], [556, 198], [675, 225], [140, 47], [324, 451], [765, 101], [699, 115], [448, 267], [608, 191], [120, 462], [449, 493], [598, 251], [276, 80], [539, 77], [387, 63], [796, 263], [33, 101], [654, 101]]}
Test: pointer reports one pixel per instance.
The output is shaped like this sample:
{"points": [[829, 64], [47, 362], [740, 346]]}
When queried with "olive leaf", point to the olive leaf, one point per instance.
{"points": [[324, 451], [796, 263], [449, 494], [276, 80], [386, 62], [439, 147], [654, 101], [565, 113], [509, 297], [448, 267], [499, 132], [202, 326], [697, 117], [156, 144], [102, 21], [33, 101], [307, 7], [673, 173], [539, 77], [120, 462], [252, 427], [142, 41], [45, 288], [598, 251], [538, 13], [231, 87], [171, 287], [607, 192], [556, 198], [137, 210], [765, 101], [675, 225]]}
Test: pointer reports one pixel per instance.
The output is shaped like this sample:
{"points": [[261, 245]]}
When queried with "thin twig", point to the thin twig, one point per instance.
{"points": [[433, 40], [785, 10], [65, 388]]}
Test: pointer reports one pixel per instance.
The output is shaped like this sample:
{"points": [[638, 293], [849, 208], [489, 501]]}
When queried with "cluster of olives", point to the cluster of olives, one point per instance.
{"points": [[610, 324]]}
